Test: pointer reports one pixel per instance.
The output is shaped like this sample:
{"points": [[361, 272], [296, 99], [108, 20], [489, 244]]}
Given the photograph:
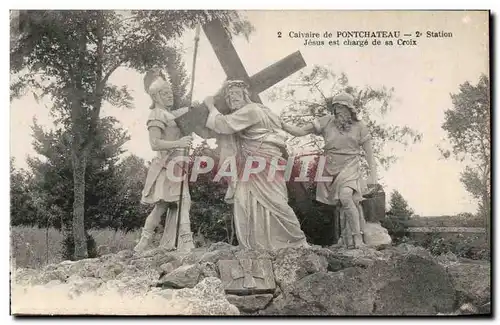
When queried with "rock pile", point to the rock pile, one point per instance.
{"points": [[402, 280]]}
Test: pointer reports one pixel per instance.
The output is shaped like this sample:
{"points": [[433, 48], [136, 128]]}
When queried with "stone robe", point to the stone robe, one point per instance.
{"points": [[262, 217]]}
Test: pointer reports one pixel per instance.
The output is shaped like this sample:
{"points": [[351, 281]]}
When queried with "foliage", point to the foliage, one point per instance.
{"points": [[398, 206], [308, 96], [210, 215], [396, 227], [113, 188], [396, 221], [468, 122], [53, 172], [468, 128], [22, 206], [128, 211], [463, 246]]}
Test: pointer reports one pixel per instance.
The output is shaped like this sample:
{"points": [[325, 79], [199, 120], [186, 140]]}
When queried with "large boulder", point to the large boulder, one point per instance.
{"points": [[186, 276], [170, 266], [385, 283], [327, 293], [413, 285]]}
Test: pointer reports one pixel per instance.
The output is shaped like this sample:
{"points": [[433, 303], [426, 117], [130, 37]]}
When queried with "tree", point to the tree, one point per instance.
{"points": [[396, 221], [399, 207], [22, 208], [468, 126], [69, 57], [53, 174]]}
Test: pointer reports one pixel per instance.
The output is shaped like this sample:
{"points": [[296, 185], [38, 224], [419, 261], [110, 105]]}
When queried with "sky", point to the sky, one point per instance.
{"points": [[423, 77]]}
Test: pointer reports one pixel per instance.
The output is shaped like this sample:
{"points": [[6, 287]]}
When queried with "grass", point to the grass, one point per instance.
{"points": [[30, 250], [29, 244]]}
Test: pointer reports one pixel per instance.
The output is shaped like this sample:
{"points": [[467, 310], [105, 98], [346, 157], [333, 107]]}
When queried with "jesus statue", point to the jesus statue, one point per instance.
{"points": [[262, 217]]}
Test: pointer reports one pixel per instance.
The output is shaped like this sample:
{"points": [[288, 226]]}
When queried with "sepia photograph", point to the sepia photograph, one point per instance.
{"points": [[250, 162]]}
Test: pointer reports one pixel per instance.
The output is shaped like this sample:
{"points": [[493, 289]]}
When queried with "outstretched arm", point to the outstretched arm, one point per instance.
{"points": [[298, 131]]}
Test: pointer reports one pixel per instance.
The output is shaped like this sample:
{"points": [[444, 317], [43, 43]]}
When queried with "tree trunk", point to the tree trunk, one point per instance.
{"points": [[487, 216], [80, 238]]}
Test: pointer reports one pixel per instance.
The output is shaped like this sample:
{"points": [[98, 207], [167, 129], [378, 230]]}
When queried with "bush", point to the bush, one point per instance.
{"points": [[396, 227], [210, 215], [472, 247]]}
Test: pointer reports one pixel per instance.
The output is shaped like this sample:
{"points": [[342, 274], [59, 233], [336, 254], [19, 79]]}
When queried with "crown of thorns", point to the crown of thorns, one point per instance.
{"points": [[234, 83], [228, 84]]}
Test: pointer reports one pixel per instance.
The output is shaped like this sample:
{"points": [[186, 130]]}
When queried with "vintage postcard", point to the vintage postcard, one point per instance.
{"points": [[250, 162]]}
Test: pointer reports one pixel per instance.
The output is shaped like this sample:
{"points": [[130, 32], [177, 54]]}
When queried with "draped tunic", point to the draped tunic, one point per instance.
{"points": [[262, 217]]}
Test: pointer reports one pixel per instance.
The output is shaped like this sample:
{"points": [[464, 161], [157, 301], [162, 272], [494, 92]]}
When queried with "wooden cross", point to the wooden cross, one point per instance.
{"points": [[194, 120]]}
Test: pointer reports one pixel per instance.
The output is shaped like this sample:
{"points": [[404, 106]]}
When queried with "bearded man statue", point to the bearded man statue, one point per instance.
{"points": [[262, 217]]}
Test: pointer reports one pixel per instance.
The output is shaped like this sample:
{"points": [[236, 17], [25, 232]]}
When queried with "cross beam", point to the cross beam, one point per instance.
{"points": [[194, 120]]}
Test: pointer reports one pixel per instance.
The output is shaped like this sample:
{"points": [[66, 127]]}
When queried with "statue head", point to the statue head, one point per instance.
{"points": [[236, 94], [343, 107], [158, 89]]}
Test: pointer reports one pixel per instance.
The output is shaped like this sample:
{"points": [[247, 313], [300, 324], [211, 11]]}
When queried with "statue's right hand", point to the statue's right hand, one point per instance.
{"points": [[185, 142]]}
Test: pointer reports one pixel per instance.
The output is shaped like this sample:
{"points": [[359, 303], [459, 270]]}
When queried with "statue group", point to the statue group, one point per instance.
{"points": [[249, 131]]}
